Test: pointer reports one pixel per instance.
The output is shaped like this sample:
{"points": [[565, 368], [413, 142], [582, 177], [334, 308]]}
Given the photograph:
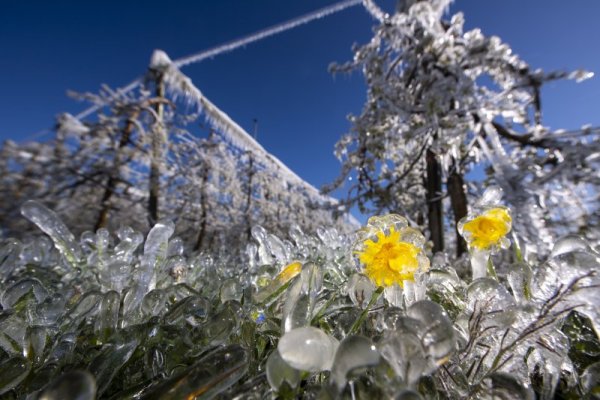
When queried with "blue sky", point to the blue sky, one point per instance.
{"points": [[283, 82]]}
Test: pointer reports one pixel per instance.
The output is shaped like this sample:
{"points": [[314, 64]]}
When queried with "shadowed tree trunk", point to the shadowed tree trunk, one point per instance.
{"points": [[158, 140], [458, 201], [111, 184], [435, 213]]}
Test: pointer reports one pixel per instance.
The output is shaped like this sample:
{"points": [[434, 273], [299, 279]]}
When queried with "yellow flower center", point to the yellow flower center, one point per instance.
{"points": [[389, 260], [488, 229]]}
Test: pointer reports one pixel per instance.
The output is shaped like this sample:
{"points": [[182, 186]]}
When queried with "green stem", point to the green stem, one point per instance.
{"points": [[357, 324], [491, 269], [322, 310], [518, 251]]}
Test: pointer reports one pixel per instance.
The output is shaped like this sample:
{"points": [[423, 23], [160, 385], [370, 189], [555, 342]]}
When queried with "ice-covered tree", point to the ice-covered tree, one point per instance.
{"points": [[136, 162], [441, 102]]}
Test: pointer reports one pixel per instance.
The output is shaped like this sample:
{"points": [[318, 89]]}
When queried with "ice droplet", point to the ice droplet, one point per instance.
{"points": [[86, 307], [12, 332], [231, 289], [360, 290], [51, 225], [273, 287], [438, 334], [490, 197], [154, 303], [75, 385], [279, 371], [9, 254], [296, 309], [353, 352], [307, 349], [129, 242], [479, 263]]}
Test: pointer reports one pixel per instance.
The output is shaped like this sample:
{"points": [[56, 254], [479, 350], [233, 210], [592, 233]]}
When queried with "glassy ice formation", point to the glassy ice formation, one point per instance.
{"points": [[115, 315]]}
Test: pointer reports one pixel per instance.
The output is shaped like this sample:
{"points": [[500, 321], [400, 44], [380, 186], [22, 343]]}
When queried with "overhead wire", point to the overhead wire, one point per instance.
{"points": [[237, 43]]}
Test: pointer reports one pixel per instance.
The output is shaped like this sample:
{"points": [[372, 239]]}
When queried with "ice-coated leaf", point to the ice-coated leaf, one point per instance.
{"points": [[108, 315], [49, 223], [360, 289], [501, 385], [106, 365], [210, 376]]}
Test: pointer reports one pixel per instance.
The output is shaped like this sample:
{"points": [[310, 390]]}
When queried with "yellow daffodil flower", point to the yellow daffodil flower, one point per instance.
{"points": [[487, 230], [393, 252]]}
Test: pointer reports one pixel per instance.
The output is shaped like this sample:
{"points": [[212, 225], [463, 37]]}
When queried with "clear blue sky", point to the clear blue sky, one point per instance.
{"points": [[48, 47]]}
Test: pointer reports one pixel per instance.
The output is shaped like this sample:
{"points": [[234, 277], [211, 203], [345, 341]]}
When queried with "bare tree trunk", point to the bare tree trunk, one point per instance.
{"points": [[435, 213], [111, 184], [158, 140], [458, 201]]}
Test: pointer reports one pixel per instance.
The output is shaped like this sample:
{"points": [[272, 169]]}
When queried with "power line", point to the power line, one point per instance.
{"points": [[237, 43], [265, 33]]}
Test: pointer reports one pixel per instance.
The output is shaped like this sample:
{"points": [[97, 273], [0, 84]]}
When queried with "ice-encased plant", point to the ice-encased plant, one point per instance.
{"points": [[123, 317]]}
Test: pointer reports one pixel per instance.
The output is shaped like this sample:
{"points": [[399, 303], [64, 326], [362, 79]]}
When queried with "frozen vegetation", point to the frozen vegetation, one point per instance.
{"points": [[115, 315], [143, 259]]}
